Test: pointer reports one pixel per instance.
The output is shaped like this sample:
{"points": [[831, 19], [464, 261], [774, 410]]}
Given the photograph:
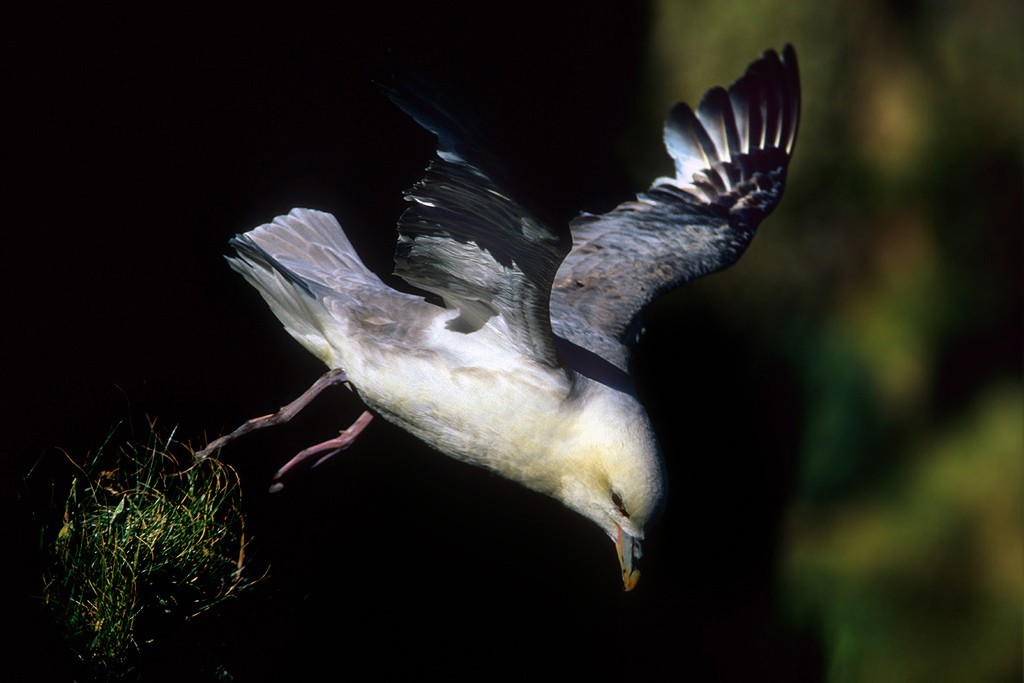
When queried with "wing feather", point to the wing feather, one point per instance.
{"points": [[464, 239], [730, 158]]}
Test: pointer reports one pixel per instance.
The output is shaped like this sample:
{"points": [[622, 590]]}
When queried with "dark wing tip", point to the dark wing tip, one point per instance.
{"points": [[733, 151], [772, 83], [792, 74], [461, 134], [426, 106], [731, 154]]}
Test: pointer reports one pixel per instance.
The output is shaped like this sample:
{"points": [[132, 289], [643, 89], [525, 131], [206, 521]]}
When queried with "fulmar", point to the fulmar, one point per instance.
{"points": [[524, 369]]}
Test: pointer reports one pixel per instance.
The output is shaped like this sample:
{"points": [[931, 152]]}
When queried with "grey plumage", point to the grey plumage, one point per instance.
{"points": [[466, 241], [525, 370], [731, 159]]}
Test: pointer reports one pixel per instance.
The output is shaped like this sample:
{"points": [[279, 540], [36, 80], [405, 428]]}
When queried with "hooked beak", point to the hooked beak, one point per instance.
{"points": [[627, 549]]}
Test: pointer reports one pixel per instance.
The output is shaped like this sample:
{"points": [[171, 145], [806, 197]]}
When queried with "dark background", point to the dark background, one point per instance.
{"points": [[144, 140]]}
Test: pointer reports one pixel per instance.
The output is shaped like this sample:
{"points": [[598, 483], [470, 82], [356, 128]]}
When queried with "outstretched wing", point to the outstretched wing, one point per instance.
{"points": [[467, 241], [730, 161]]}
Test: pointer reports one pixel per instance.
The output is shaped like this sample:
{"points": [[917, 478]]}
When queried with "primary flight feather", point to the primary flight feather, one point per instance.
{"points": [[524, 370]]}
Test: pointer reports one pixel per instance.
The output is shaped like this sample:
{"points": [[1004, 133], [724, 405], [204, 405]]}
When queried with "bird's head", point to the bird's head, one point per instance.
{"points": [[616, 480]]}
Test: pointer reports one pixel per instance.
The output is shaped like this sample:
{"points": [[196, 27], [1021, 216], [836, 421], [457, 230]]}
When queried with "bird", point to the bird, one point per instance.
{"points": [[513, 353]]}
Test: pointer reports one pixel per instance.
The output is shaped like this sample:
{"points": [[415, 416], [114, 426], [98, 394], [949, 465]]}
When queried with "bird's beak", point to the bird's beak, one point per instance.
{"points": [[626, 546]]}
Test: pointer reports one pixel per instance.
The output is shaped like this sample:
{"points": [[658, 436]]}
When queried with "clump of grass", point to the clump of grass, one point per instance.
{"points": [[149, 534]]}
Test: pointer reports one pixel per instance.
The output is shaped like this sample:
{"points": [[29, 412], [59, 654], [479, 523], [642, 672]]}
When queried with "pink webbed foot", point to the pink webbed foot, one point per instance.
{"points": [[313, 456]]}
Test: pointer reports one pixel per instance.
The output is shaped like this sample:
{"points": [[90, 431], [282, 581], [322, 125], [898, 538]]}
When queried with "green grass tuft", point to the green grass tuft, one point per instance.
{"points": [[149, 536]]}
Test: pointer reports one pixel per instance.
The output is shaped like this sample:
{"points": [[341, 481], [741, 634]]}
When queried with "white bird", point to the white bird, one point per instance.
{"points": [[524, 370]]}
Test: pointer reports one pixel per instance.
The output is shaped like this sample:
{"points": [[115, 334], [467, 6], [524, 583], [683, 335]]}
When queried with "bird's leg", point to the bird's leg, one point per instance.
{"points": [[331, 377], [321, 451]]}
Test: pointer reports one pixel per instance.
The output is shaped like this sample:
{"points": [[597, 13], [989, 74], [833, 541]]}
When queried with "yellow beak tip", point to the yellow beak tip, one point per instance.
{"points": [[630, 580]]}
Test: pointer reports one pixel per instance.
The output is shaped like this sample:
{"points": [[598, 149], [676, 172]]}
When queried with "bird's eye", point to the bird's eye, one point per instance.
{"points": [[617, 499]]}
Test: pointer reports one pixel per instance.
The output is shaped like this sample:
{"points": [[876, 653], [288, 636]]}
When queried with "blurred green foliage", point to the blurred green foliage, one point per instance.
{"points": [[896, 258], [918, 578]]}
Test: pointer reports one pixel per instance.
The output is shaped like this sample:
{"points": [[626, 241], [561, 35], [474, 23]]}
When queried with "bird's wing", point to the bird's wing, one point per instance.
{"points": [[464, 239], [730, 169]]}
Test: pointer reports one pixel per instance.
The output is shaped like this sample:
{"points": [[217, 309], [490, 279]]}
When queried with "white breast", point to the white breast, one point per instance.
{"points": [[468, 395]]}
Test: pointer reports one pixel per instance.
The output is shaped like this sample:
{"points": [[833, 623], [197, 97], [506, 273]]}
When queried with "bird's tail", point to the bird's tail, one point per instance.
{"points": [[296, 262], [309, 248]]}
